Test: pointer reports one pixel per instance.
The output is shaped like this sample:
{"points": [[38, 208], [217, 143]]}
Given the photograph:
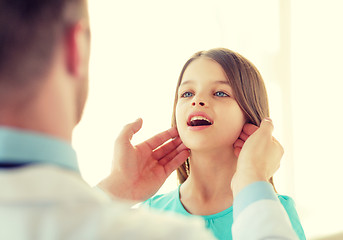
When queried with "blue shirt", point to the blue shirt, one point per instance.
{"points": [[27, 147], [220, 223]]}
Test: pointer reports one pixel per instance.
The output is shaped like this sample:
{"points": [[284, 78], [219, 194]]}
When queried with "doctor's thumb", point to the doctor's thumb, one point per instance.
{"points": [[267, 125], [129, 130]]}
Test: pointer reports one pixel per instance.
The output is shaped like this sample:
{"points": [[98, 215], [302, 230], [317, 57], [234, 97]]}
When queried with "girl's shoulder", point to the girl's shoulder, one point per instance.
{"points": [[290, 207], [166, 201], [286, 199]]}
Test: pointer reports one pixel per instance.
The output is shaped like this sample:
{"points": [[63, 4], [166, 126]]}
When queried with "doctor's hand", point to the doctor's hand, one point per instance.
{"points": [[259, 155], [139, 171]]}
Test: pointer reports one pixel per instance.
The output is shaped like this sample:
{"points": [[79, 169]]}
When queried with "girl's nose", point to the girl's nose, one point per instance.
{"points": [[200, 103]]}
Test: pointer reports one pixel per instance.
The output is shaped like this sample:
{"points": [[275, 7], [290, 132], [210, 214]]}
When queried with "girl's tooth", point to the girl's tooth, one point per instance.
{"points": [[200, 118]]}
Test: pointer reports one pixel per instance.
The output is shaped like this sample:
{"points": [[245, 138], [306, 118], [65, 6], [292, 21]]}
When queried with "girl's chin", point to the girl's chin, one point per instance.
{"points": [[207, 146], [203, 147]]}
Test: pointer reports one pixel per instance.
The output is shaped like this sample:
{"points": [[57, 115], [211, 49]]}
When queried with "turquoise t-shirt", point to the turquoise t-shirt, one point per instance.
{"points": [[219, 223]]}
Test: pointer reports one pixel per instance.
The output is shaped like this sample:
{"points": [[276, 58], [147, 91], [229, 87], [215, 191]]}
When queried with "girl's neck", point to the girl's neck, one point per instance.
{"points": [[208, 188]]}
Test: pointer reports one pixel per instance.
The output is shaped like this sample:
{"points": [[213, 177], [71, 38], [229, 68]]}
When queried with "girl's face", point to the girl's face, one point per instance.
{"points": [[207, 114]]}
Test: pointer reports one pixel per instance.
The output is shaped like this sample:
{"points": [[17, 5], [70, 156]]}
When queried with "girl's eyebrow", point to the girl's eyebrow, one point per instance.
{"points": [[216, 82], [186, 82], [222, 82]]}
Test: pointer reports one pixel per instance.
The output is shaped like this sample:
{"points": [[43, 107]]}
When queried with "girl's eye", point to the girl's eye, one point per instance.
{"points": [[187, 94], [221, 94]]}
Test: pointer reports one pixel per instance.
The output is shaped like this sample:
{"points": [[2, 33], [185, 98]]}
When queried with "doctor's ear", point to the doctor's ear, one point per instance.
{"points": [[77, 48]]}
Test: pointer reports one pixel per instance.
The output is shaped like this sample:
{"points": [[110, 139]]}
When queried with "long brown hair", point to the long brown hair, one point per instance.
{"points": [[247, 85]]}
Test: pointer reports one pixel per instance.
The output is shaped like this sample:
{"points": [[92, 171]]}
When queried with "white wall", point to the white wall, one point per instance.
{"points": [[317, 77]]}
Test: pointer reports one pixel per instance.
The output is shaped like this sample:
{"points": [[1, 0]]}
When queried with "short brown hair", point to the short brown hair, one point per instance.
{"points": [[246, 82], [29, 31]]}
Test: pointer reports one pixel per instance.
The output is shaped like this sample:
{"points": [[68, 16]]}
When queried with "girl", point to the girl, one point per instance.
{"points": [[218, 91]]}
